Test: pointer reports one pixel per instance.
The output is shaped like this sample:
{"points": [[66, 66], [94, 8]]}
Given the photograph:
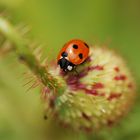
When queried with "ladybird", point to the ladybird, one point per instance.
{"points": [[73, 53]]}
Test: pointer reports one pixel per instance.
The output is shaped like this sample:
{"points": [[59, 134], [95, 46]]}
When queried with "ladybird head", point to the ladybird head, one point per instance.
{"points": [[64, 63]]}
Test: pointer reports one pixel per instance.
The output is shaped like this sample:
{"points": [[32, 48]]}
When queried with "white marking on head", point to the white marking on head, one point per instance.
{"points": [[65, 58], [69, 67]]}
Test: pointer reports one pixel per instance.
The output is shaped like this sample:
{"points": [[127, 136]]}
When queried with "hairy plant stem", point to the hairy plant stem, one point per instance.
{"points": [[20, 46]]}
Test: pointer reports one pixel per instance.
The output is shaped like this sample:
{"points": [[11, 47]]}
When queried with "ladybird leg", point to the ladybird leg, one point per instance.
{"points": [[77, 73]]}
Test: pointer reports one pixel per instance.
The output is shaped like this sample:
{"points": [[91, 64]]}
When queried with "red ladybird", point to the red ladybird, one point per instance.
{"points": [[72, 54]]}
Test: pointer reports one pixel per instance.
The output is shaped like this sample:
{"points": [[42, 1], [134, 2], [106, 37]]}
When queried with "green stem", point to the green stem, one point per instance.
{"points": [[24, 53]]}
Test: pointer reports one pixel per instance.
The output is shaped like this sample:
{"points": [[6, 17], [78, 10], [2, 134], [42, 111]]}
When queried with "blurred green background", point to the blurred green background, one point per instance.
{"points": [[54, 22]]}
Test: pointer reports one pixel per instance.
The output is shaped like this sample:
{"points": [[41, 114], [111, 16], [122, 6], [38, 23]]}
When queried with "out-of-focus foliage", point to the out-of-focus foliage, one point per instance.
{"points": [[53, 23]]}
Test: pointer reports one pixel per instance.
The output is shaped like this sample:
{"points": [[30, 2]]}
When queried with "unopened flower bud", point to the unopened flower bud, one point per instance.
{"points": [[98, 94]]}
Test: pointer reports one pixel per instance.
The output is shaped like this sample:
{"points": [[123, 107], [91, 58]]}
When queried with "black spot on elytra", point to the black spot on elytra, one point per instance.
{"points": [[64, 54], [86, 45], [75, 46], [80, 55]]}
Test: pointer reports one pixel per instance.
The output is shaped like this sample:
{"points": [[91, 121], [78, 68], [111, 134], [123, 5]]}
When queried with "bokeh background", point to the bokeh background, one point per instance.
{"points": [[115, 23]]}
